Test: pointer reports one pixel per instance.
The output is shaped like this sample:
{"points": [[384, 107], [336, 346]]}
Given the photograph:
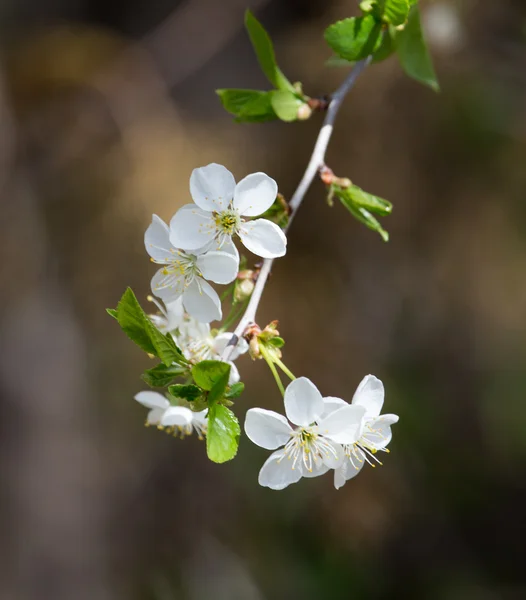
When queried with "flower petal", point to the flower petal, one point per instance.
{"points": [[152, 400], [370, 395], [229, 247], [331, 404], [219, 267], [318, 468], [192, 228], [202, 302], [177, 415], [167, 285], [221, 342], [157, 241], [277, 472], [335, 459], [377, 431], [303, 402], [263, 238], [347, 471], [344, 425], [212, 187], [234, 374], [154, 416], [267, 428], [255, 194]]}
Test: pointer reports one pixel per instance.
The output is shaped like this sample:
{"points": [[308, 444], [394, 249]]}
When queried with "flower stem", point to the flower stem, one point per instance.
{"points": [[284, 368], [233, 315], [273, 369]]}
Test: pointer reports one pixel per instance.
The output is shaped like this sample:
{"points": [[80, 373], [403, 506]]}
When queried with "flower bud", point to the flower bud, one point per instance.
{"points": [[243, 290], [304, 112]]}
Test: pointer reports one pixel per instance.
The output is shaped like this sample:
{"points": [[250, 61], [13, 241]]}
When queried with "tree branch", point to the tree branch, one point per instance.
{"points": [[317, 160]]}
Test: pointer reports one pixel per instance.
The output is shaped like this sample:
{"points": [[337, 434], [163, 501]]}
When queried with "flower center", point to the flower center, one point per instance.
{"points": [[185, 265], [309, 447], [228, 221], [365, 448]]}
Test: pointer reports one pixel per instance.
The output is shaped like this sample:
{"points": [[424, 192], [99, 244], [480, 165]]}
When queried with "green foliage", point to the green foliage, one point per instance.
{"points": [[161, 375], [286, 104], [186, 392], [112, 312], [354, 38], [264, 50], [138, 327], [276, 342], [235, 390], [277, 213], [360, 204], [222, 437], [248, 106], [393, 12], [413, 53], [209, 373]]}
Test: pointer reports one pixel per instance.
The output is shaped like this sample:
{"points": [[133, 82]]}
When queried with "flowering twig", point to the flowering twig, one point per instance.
{"points": [[316, 162]]}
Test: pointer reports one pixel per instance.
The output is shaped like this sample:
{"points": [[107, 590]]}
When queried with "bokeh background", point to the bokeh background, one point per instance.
{"points": [[105, 108]]}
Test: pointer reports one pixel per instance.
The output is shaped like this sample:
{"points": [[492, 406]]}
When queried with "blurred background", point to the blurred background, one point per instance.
{"points": [[105, 108]]}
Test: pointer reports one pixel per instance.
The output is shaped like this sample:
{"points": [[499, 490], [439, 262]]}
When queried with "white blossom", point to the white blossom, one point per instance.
{"points": [[157, 404], [313, 446], [184, 274], [184, 421], [220, 210], [375, 431], [171, 317]]}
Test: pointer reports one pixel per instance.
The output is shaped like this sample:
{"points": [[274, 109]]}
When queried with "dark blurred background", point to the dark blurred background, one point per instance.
{"points": [[105, 108]]}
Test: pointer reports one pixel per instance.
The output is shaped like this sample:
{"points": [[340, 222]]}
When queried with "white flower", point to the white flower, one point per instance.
{"points": [[375, 431], [184, 421], [197, 343], [171, 317], [313, 447], [176, 419], [219, 211], [184, 274]]}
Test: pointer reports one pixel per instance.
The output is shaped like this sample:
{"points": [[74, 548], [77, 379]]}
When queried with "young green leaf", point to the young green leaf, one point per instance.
{"points": [[235, 390], [387, 46], [393, 11], [208, 373], [264, 49], [249, 106], [161, 375], [354, 38], [369, 201], [222, 436], [285, 104], [138, 327], [365, 217], [186, 392], [413, 53], [112, 312], [276, 342]]}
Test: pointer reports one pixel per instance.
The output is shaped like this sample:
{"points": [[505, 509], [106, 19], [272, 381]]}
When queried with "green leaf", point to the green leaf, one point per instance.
{"points": [[386, 48], [235, 390], [161, 375], [112, 312], [413, 53], [365, 217], [369, 201], [277, 342], [394, 12], [138, 327], [208, 373], [250, 106], [354, 38], [222, 436], [186, 392], [285, 105], [277, 213], [264, 49]]}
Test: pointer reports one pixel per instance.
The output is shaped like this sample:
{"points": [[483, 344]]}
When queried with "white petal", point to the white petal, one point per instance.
{"points": [[303, 402], [370, 395], [377, 431], [167, 285], [255, 194], [229, 247], [339, 478], [343, 425], [267, 428], [331, 404], [202, 302], [334, 460], [177, 415], [222, 340], [277, 472], [234, 374], [157, 241], [175, 313], [347, 471], [219, 267], [192, 228], [318, 468], [212, 187], [263, 238], [152, 400], [154, 416]]}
